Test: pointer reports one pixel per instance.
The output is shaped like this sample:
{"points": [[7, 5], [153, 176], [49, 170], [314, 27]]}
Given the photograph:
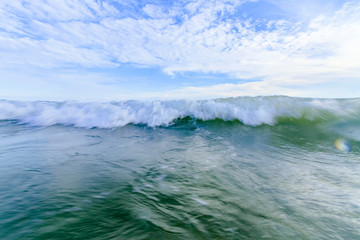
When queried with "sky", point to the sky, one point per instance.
{"points": [[187, 49]]}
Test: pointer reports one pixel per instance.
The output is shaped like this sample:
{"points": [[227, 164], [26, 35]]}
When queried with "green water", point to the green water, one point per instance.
{"points": [[192, 180]]}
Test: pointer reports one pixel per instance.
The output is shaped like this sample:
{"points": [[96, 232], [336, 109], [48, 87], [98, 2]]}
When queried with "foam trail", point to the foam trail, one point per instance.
{"points": [[251, 111]]}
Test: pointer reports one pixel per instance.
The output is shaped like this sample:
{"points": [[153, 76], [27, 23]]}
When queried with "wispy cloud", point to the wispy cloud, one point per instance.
{"points": [[199, 36]]}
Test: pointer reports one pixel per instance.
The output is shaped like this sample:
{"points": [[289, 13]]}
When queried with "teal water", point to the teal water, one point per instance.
{"points": [[191, 179]]}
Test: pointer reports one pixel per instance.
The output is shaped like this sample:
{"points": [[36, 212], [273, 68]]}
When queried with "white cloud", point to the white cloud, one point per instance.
{"points": [[201, 36]]}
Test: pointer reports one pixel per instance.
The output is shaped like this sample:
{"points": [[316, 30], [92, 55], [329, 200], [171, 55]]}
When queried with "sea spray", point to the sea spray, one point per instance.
{"points": [[251, 111]]}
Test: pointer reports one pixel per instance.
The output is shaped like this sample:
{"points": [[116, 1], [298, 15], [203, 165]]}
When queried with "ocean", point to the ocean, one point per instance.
{"points": [[233, 168]]}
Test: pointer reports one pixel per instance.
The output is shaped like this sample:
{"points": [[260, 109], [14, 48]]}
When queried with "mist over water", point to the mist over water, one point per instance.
{"points": [[286, 168]]}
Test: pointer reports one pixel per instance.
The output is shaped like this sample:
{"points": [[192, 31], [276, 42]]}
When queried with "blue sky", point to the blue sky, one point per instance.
{"points": [[196, 49]]}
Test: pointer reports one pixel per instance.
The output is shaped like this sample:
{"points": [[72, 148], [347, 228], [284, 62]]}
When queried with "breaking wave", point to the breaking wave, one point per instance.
{"points": [[251, 111]]}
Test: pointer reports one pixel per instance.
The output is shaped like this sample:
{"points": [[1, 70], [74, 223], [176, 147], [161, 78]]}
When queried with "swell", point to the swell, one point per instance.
{"points": [[252, 111]]}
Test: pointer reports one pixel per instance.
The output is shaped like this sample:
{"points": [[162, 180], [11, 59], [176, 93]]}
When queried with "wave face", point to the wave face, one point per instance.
{"points": [[252, 111]]}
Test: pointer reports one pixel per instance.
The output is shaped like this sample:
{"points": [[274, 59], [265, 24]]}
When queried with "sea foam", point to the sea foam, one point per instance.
{"points": [[251, 111]]}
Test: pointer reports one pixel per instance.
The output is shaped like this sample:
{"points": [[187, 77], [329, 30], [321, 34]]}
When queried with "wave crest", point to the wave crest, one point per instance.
{"points": [[252, 111]]}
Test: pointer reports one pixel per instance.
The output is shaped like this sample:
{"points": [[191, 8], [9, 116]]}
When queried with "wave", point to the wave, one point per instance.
{"points": [[253, 111]]}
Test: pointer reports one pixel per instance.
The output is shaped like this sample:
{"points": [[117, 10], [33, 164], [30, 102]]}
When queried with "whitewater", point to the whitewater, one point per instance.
{"points": [[234, 168], [249, 111]]}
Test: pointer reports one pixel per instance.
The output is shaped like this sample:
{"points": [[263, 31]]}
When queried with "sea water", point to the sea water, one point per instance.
{"points": [[235, 168]]}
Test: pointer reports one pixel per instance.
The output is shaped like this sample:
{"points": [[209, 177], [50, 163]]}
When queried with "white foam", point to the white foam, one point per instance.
{"points": [[248, 110]]}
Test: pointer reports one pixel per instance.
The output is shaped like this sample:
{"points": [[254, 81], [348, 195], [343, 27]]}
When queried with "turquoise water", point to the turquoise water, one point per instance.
{"points": [[245, 168]]}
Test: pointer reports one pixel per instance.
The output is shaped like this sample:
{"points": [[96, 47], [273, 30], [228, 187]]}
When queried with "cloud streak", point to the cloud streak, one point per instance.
{"points": [[196, 36]]}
